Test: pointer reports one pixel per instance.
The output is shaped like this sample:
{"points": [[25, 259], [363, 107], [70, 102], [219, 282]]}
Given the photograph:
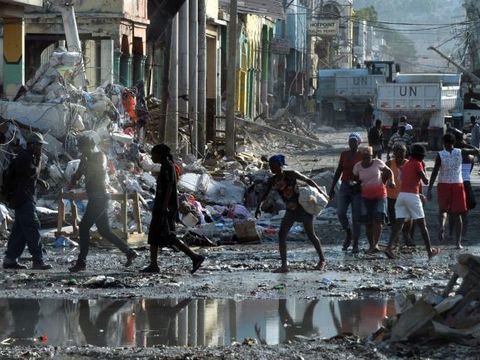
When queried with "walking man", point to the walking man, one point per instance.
{"points": [[349, 192], [400, 137], [375, 139], [24, 177], [450, 191], [93, 166]]}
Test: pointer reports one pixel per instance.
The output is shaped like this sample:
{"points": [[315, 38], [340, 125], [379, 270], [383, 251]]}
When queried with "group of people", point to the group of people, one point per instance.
{"points": [[377, 191], [24, 171], [373, 189]]}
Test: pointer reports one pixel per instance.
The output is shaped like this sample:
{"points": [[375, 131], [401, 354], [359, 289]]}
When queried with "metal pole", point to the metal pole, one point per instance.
{"points": [[183, 49], [171, 135], [458, 66], [231, 81], [202, 77], [193, 73]]}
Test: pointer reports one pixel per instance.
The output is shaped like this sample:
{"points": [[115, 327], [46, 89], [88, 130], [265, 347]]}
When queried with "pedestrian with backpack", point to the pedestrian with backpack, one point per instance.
{"points": [[23, 179]]}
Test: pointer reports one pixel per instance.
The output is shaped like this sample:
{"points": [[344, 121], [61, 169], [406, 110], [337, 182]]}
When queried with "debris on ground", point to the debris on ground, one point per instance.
{"points": [[450, 316]]}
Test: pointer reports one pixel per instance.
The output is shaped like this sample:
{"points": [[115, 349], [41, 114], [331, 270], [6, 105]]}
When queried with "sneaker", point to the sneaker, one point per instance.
{"points": [[40, 265], [79, 266], [131, 255], [13, 265]]}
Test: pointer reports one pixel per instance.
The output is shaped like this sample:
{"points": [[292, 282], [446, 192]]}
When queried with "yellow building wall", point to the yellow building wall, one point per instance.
{"points": [[250, 60]]}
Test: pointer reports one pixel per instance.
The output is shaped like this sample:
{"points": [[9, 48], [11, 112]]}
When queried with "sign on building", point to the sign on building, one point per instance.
{"points": [[324, 27]]}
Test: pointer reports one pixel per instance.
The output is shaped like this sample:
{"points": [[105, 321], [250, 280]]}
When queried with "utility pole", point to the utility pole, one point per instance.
{"points": [[231, 81], [171, 131], [183, 50], [308, 57], [193, 74], [202, 77]]}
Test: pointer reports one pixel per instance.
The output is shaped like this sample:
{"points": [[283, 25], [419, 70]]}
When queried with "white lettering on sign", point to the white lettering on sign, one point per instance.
{"points": [[360, 81], [408, 90]]}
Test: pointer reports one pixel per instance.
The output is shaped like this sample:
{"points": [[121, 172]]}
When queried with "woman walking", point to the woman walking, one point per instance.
{"points": [[372, 174], [165, 208], [285, 181]]}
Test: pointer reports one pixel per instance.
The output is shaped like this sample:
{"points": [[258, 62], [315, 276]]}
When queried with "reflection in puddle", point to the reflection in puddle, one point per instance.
{"points": [[188, 322]]}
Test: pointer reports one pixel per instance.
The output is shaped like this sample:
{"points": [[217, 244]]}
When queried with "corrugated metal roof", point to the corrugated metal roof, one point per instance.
{"points": [[270, 8]]}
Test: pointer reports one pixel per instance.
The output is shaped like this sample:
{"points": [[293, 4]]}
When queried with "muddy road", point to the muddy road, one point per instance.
{"points": [[234, 307]]}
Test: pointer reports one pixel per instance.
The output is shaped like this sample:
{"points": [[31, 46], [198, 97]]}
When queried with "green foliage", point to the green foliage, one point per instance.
{"points": [[367, 13]]}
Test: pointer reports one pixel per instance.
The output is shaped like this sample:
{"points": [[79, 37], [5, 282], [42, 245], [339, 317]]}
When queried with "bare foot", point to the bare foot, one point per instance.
{"points": [[321, 265], [280, 270], [389, 253], [373, 250]]}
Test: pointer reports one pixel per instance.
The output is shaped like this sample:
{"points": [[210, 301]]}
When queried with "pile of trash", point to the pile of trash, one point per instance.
{"points": [[452, 316], [217, 197]]}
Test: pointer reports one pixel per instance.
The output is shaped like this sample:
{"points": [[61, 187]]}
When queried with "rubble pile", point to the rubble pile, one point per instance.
{"points": [[217, 198], [452, 316]]}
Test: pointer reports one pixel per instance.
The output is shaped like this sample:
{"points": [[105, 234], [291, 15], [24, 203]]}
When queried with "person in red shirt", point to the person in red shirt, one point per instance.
{"points": [[348, 193], [409, 202]]}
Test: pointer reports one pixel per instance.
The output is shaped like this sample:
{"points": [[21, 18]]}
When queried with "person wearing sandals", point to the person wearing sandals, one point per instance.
{"points": [[409, 201], [372, 174], [348, 193], [285, 181], [165, 207]]}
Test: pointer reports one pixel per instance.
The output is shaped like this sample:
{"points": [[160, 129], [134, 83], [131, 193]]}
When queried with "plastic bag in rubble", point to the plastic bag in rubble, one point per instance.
{"points": [[55, 173], [38, 74], [132, 185], [195, 182], [56, 93], [311, 199], [71, 169], [66, 58], [50, 76]]}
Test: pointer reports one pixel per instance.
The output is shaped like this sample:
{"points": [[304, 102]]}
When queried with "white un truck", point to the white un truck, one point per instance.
{"points": [[425, 99]]}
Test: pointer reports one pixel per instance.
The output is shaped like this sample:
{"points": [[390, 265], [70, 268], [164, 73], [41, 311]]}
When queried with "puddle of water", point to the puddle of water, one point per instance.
{"points": [[188, 322]]}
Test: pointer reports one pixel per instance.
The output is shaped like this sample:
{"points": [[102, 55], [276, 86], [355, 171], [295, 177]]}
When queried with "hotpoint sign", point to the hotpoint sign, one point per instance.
{"points": [[325, 27]]}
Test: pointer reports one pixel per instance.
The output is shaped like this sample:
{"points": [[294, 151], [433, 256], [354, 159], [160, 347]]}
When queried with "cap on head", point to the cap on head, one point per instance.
{"points": [[278, 159], [355, 136], [35, 138]]}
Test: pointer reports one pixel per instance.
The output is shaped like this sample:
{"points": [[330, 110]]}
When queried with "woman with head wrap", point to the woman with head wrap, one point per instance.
{"points": [[372, 174], [348, 193], [285, 181], [165, 207]]}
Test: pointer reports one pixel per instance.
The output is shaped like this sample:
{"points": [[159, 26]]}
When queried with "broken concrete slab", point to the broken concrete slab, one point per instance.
{"points": [[412, 320], [448, 304], [55, 119]]}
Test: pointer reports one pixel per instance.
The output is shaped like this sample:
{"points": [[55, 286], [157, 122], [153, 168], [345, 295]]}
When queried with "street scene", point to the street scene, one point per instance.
{"points": [[223, 179]]}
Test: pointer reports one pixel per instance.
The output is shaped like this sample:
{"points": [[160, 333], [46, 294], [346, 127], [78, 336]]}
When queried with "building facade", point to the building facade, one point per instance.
{"points": [[112, 33]]}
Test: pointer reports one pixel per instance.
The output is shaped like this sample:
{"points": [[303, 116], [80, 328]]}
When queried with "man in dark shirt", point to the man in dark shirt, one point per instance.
{"points": [[25, 169], [375, 139], [93, 166]]}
